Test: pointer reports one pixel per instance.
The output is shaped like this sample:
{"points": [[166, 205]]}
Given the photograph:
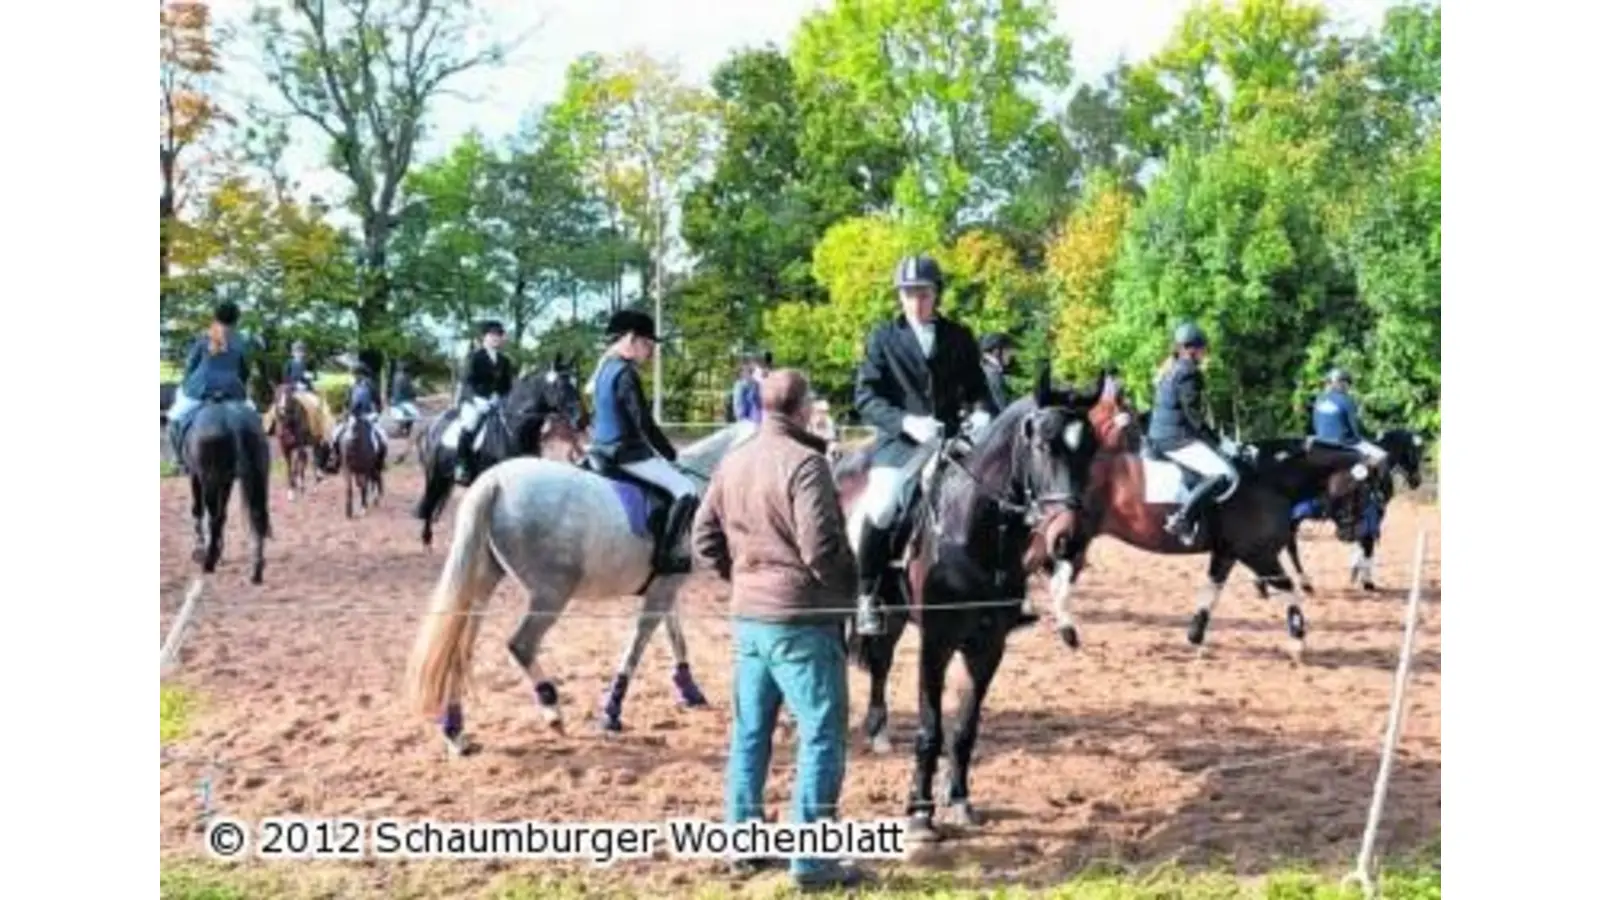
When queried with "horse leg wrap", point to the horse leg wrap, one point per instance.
{"points": [[688, 692], [545, 692], [453, 721], [614, 697]]}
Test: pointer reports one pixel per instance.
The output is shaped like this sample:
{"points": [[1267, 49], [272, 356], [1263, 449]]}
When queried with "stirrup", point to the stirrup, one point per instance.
{"points": [[869, 617]]}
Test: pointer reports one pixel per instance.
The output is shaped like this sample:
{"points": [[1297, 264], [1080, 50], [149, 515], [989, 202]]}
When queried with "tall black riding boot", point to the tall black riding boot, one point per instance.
{"points": [[872, 559], [1181, 523], [464, 455], [671, 557]]}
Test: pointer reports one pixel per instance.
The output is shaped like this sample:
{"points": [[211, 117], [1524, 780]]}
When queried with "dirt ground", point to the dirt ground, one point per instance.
{"points": [[1131, 750]]}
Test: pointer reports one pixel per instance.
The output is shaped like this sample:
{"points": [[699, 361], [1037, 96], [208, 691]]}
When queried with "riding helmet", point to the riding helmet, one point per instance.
{"points": [[631, 321], [298, 347], [918, 271], [1189, 335], [993, 343], [491, 326], [1337, 375], [227, 312]]}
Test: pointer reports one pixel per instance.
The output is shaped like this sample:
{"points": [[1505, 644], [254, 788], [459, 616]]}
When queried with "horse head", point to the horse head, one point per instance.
{"points": [[1405, 450], [1116, 428]]}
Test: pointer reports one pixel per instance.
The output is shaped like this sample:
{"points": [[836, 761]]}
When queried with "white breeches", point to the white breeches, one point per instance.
{"points": [[1372, 451], [378, 436], [405, 411], [882, 492], [472, 412], [662, 474], [1197, 456], [181, 404]]}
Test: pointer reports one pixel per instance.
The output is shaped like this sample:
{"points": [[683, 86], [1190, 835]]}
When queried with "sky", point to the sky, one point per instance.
{"points": [[697, 34]]}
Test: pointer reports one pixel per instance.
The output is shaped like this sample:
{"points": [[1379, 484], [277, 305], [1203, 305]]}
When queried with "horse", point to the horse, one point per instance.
{"points": [[514, 430], [564, 533], [292, 424], [362, 459], [1130, 495], [1115, 422], [223, 441], [1404, 450], [991, 516]]}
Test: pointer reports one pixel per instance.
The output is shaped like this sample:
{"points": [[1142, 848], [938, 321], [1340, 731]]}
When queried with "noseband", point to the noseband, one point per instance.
{"points": [[1031, 503]]}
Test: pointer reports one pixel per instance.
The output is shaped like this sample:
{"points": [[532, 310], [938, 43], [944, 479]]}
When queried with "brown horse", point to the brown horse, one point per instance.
{"points": [[296, 439], [1116, 424], [361, 455]]}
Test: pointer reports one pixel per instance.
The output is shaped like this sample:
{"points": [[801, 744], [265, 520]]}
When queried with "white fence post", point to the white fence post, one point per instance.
{"points": [[180, 625], [1363, 872]]}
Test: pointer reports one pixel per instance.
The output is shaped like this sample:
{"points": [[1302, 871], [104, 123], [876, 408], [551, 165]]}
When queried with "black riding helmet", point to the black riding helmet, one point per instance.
{"points": [[917, 271], [226, 312], [993, 343], [491, 327], [630, 321], [1189, 335]]}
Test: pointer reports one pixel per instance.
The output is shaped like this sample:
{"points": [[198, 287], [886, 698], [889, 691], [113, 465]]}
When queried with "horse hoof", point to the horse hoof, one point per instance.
{"points": [[610, 724], [1296, 649], [1305, 588], [920, 830], [1069, 636], [964, 815], [1197, 627], [255, 578], [459, 746], [880, 744], [1367, 586]]}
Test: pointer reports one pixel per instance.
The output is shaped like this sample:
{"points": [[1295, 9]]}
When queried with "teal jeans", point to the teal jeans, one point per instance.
{"points": [[803, 667]]}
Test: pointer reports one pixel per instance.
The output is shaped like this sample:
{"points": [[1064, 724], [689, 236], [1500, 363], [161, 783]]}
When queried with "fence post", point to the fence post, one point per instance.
{"points": [[1363, 873], [180, 625]]}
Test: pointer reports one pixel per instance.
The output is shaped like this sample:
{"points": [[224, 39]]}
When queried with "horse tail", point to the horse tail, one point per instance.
{"points": [[441, 659], [254, 465]]}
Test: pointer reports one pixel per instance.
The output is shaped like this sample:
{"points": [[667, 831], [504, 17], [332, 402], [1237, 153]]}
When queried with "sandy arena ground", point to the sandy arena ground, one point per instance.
{"points": [[1132, 750]]}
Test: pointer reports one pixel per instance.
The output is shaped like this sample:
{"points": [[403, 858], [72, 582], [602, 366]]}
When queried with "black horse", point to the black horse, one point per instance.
{"points": [[993, 514], [224, 441], [514, 429], [1404, 449]]}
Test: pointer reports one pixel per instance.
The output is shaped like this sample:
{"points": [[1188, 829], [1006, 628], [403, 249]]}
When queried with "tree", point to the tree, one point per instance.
{"points": [[188, 109], [1079, 272], [364, 72], [640, 135], [951, 80]]}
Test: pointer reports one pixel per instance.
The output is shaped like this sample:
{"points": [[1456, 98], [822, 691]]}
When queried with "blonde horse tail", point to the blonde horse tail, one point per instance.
{"points": [[441, 659]]}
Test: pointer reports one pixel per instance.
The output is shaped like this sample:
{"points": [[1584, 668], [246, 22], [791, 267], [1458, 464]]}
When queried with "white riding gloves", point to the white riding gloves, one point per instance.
{"points": [[979, 420], [921, 429]]}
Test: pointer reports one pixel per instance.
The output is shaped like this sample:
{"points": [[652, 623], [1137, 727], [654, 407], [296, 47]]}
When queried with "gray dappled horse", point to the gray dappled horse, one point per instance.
{"points": [[564, 533]]}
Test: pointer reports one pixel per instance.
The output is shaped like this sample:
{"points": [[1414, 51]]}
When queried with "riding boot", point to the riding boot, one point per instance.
{"points": [[175, 439], [1181, 524], [464, 456], [872, 558], [670, 557]]}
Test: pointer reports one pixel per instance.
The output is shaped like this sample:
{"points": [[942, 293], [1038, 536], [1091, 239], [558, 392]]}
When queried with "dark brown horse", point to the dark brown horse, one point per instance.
{"points": [[994, 513], [362, 458]]}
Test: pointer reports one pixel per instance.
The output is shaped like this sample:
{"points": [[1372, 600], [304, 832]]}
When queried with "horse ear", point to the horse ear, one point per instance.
{"points": [[1042, 387]]}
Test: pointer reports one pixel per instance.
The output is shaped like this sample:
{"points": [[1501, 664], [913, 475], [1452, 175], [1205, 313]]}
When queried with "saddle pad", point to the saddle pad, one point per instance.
{"points": [[452, 432], [634, 505], [1163, 482]]}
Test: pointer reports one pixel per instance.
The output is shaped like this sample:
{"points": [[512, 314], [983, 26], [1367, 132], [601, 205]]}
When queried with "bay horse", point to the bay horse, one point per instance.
{"points": [[224, 442], [296, 440], [1404, 449], [564, 533], [1129, 497], [362, 459], [514, 429], [992, 516]]}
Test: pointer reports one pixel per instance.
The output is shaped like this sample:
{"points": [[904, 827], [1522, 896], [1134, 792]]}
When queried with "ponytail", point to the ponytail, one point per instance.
{"points": [[218, 335]]}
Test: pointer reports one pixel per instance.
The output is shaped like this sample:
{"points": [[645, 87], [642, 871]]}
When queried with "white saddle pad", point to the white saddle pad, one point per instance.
{"points": [[1163, 482], [452, 432]]}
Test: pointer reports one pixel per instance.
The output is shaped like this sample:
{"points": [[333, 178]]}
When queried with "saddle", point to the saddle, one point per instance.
{"points": [[647, 503], [916, 500]]}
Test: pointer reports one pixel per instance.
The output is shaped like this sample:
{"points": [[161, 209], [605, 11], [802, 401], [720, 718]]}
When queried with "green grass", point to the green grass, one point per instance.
{"points": [[177, 707], [210, 881]]}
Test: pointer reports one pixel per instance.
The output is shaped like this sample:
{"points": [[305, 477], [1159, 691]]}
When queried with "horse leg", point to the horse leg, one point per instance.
{"points": [[689, 694], [1217, 572], [983, 660], [1062, 581], [524, 647], [197, 510], [435, 489], [657, 601], [1271, 571], [1361, 563], [217, 498], [349, 493], [932, 661]]}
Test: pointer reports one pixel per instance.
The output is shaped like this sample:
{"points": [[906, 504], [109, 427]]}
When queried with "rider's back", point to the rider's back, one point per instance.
{"points": [[1173, 415], [221, 374]]}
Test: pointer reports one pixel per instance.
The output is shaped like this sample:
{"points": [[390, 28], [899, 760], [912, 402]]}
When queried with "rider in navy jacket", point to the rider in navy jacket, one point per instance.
{"points": [[1335, 420], [1179, 431]]}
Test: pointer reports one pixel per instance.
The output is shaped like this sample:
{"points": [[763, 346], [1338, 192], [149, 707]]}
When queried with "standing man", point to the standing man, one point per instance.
{"points": [[487, 383], [771, 524], [998, 354], [920, 370]]}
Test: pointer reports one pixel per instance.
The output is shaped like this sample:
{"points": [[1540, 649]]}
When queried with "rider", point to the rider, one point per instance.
{"points": [[997, 356], [297, 372], [1334, 419], [1179, 431], [218, 366], [487, 384], [626, 434], [363, 402], [920, 369], [403, 394]]}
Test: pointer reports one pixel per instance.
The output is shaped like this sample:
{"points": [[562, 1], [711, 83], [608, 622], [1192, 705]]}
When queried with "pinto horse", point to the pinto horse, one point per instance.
{"points": [[991, 516], [1129, 497], [1404, 449]]}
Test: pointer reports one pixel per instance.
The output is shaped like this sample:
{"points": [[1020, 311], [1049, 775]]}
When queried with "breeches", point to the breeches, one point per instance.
{"points": [[662, 474]]}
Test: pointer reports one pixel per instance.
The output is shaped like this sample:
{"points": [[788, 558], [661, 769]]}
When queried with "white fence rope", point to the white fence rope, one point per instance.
{"points": [[1363, 873]]}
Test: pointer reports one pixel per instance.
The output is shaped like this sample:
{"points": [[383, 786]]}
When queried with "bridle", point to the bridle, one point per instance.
{"points": [[1032, 504]]}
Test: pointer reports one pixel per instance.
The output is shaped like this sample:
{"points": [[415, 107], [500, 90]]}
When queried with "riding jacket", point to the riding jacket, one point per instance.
{"points": [[297, 371], [363, 397], [1176, 417], [897, 380], [222, 375], [624, 430], [488, 378], [1334, 419]]}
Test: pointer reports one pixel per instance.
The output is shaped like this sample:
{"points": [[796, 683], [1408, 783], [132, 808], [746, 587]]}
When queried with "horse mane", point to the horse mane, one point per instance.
{"points": [[702, 456]]}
